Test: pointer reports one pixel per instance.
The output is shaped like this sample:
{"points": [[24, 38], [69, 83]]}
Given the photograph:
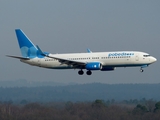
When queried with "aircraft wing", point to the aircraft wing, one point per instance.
{"points": [[69, 62]]}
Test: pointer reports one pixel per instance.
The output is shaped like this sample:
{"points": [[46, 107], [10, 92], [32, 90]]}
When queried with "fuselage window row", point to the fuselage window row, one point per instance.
{"points": [[89, 58]]}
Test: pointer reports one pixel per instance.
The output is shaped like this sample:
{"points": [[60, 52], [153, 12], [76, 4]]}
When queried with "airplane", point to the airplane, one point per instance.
{"points": [[91, 61]]}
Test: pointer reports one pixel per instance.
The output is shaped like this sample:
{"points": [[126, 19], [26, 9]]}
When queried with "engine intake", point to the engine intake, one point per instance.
{"points": [[94, 66]]}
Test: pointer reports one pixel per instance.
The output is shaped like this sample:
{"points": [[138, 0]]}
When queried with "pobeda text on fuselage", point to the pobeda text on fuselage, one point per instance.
{"points": [[103, 61]]}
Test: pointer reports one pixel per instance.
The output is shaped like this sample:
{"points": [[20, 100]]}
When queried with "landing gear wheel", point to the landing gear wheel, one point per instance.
{"points": [[141, 70], [80, 72], [88, 72]]}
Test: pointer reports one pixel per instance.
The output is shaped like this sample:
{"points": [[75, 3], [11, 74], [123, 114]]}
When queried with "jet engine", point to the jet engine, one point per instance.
{"points": [[94, 66]]}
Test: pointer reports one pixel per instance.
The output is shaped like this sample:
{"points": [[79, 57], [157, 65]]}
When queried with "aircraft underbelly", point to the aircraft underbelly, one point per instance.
{"points": [[56, 65]]}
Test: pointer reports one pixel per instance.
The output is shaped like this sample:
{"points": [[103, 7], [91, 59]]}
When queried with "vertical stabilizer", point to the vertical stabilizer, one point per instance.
{"points": [[28, 49]]}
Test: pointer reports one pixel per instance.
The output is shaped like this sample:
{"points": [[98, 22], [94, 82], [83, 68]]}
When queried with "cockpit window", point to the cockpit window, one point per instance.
{"points": [[146, 55]]}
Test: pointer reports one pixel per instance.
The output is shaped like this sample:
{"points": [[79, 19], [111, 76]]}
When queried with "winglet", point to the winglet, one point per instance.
{"points": [[89, 51]]}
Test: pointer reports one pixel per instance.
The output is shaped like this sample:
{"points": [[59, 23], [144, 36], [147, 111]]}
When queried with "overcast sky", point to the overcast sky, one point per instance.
{"points": [[66, 26]]}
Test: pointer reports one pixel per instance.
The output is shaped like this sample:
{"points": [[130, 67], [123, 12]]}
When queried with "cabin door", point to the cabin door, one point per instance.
{"points": [[137, 57]]}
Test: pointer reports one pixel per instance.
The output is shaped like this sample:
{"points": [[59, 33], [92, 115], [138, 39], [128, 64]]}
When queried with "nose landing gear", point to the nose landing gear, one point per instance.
{"points": [[141, 70], [144, 66]]}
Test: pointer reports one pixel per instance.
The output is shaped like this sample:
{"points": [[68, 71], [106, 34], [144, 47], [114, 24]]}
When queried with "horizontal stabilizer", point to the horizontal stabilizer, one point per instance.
{"points": [[21, 58]]}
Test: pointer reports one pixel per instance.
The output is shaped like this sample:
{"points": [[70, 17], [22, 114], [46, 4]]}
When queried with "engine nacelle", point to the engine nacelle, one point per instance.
{"points": [[108, 68], [94, 66]]}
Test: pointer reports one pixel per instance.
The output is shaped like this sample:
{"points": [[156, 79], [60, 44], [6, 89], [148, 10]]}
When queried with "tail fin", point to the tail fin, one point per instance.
{"points": [[28, 49]]}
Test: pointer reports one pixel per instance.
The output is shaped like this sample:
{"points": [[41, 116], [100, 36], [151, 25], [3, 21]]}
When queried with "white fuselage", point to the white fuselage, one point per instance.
{"points": [[109, 59]]}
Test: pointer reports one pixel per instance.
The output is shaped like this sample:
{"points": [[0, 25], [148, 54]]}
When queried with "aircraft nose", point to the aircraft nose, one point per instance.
{"points": [[154, 59]]}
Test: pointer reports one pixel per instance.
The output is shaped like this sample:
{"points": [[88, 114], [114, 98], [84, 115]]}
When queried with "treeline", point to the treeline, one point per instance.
{"points": [[97, 110], [83, 92], [26, 83]]}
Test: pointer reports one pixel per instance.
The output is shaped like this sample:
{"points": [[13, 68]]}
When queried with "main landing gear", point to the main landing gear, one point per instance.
{"points": [[88, 72], [81, 72]]}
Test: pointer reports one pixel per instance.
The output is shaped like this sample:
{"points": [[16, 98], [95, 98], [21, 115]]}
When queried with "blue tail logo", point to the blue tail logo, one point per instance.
{"points": [[28, 49]]}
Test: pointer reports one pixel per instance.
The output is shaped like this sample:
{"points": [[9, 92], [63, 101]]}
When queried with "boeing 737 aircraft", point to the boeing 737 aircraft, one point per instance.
{"points": [[103, 61]]}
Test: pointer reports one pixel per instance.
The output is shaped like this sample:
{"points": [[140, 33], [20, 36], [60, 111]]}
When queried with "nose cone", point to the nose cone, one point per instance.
{"points": [[153, 59]]}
